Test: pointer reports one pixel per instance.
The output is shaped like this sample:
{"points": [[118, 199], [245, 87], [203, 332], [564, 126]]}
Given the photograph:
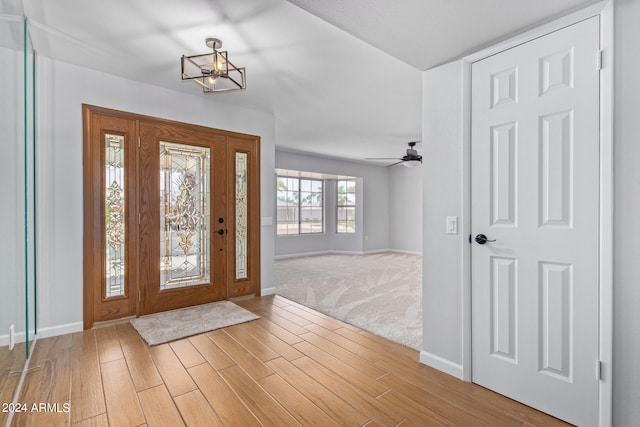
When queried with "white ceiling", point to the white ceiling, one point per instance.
{"points": [[343, 80]]}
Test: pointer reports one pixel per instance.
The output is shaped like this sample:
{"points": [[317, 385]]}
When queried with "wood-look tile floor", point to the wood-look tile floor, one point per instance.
{"points": [[293, 366]]}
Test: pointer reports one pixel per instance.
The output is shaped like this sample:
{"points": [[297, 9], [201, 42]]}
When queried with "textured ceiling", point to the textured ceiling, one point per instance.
{"points": [[341, 81]]}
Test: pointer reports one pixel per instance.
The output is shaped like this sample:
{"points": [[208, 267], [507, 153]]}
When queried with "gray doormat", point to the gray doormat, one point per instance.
{"points": [[172, 325]]}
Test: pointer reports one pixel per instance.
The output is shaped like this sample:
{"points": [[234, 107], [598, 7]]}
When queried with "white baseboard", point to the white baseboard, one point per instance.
{"points": [[402, 251], [18, 336], [267, 291], [306, 254], [376, 251], [331, 252], [54, 331], [441, 364]]}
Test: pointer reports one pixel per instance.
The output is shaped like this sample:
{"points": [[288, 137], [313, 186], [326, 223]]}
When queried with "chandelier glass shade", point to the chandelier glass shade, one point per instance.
{"points": [[213, 71]]}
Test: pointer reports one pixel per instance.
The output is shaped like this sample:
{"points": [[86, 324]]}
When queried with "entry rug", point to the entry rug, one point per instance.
{"points": [[172, 325]]}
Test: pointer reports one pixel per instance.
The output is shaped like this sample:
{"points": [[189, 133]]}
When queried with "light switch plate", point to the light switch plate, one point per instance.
{"points": [[452, 225]]}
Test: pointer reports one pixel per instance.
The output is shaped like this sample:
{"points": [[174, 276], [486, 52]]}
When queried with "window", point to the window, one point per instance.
{"points": [[300, 209], [346, 206]]}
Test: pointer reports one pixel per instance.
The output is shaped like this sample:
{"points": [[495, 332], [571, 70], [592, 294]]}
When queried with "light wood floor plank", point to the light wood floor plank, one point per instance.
{"points": [[143, 371], [346, 343], [326, 323], [187, 353], [86, 381], [174, 375], [278, 331], [342, 412], [123, 408], [48, 382], [240, 355], [256, 398], [196, 411], [274, 343], [97, 421], [362, 401], [415, 413], [242, 334], [351, 374], [158, 407], [108, 344], [222, 399], [213, 354], [302, 409], [353, 360]]}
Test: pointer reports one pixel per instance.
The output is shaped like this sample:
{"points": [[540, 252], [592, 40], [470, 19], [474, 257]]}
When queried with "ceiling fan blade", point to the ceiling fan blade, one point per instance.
{"points": [[396, 163], [382, 158]]}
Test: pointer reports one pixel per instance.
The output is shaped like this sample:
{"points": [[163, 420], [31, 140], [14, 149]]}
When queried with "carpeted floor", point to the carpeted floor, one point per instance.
{"points": [[381, 293]]}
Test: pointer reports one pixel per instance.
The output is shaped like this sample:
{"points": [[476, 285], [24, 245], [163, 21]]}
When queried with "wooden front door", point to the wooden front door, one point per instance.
{"points": [[171, 215]]}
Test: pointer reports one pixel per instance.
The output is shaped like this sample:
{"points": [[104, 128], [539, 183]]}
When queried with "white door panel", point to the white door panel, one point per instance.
{"points": [[535, 190]]}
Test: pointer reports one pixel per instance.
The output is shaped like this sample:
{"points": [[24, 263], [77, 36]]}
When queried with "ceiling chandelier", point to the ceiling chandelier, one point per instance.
{"points": [[213, 71]]}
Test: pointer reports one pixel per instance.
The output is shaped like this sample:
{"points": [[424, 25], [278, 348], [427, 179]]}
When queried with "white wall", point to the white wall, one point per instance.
{"points": [[626, 288], [441, 253], [62, 90], [442, 189], [405, 208], [12, 303], [375, 197]]}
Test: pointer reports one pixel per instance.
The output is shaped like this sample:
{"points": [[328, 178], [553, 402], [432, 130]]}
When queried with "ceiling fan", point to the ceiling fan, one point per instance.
{"points": [[411, 159]]}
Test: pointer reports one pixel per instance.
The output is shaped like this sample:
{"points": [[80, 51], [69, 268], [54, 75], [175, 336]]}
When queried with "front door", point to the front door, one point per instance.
{"points": [[535, 201], [171, 215], [182, 215]]}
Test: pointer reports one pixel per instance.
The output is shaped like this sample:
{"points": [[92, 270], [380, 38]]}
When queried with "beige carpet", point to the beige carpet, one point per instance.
{"points": [[172, 325], [381, 293]]}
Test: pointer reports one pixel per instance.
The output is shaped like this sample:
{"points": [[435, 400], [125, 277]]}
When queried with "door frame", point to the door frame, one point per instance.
{"points": [[605, 10], [89, 254]]}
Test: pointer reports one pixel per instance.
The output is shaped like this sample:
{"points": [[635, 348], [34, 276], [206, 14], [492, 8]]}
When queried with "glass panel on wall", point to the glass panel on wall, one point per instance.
{"points": [[184, 215], [114, 211], [241, 215]]}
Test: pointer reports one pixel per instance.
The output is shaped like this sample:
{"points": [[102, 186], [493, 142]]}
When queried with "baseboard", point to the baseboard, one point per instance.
{"points": [[4, 339], [441, 364], [402, 251], [301, 255], [267, 291], [307, 254], [54, 331], [331, 252], [376, 251]]}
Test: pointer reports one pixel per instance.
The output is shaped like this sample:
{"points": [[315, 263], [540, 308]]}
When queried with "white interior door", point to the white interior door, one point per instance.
{"points": [[535, 191]]}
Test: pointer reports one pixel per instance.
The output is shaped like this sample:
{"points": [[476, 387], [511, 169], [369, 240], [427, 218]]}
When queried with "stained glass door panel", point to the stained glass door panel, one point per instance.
{"points": [[184, 215]]}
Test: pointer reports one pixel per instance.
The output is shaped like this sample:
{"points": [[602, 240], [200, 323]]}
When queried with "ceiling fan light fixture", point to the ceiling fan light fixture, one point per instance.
{"points": [[213, 71]]}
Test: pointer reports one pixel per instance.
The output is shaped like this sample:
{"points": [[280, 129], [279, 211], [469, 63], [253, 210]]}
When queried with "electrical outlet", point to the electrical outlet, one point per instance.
{"points": [[12, 338]]}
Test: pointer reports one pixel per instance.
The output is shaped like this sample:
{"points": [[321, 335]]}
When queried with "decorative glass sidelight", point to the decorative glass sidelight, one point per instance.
{"points": [[184, 215], [114, 215], [241, 215]]}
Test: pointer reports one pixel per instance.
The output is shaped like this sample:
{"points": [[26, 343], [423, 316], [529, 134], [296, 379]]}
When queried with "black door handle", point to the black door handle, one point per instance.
{"points": [[481, 239], [221, 231]]}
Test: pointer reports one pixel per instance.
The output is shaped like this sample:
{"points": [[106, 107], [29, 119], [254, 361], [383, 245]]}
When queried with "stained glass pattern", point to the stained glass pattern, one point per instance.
{"points": [[241, 215], [114, 216], [184, 213]]}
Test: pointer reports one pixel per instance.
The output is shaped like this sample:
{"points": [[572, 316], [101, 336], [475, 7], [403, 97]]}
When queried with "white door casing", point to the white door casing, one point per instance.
{"points": [[535, 190]]}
